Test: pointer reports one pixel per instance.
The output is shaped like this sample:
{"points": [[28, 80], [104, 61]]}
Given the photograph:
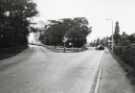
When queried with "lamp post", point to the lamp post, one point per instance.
{"points": [[108, 19]]}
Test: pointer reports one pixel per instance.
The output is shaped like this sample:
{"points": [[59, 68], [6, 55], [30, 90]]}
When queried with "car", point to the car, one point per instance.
{"points": [[100, 47]]}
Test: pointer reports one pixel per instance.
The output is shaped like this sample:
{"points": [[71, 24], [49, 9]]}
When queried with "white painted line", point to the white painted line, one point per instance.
{"points": [[96, 80], [97, 88]]}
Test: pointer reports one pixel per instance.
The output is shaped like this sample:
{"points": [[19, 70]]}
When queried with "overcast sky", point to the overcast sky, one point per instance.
{"points": [[96, 11]]}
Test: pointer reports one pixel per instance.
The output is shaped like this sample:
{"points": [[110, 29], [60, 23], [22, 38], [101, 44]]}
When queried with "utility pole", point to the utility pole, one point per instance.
{"points": [[112, 33]]}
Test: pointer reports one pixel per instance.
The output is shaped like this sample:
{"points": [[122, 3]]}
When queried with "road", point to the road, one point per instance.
{"points": [[38, 70]]}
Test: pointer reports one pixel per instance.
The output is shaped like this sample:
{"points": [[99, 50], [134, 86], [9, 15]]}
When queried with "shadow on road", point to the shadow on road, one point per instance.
{"points": [[19, 55]]}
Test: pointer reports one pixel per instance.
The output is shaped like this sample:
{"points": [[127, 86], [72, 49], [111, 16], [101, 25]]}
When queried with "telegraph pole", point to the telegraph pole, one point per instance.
{"points": [[112, 45]]}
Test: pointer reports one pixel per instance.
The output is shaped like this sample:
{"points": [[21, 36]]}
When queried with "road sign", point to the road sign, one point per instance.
{"points": [[65, 39]]}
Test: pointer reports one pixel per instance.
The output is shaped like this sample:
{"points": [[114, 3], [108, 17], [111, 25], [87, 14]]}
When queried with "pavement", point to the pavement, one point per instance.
{"points": [[38, 70], [111, 77]]}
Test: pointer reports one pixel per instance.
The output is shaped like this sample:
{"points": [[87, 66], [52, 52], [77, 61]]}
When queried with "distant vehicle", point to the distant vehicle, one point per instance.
{"points": [[100, 47]]}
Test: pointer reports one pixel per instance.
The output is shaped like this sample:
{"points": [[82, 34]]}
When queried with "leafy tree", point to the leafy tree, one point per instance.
{"points": [[54, 33], [14, 21], [75, 30], [125, 39], [132, 38], [78, 32]]}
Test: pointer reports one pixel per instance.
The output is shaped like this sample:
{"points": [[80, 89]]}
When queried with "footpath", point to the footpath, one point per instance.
{"points": [[111, 77]]}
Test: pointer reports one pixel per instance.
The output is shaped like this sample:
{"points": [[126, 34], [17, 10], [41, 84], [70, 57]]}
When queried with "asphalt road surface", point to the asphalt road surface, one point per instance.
{"points": [[38, 70]]}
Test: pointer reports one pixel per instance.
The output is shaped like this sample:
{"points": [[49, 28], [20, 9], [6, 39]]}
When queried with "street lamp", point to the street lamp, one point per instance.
{"points": [[108, 19]]}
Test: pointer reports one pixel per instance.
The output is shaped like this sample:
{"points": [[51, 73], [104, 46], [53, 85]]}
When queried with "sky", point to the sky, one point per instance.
{"points": [[96, 11]]}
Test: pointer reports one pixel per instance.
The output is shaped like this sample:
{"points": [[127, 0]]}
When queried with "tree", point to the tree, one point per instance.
{"points": [[78, 32], [117, 33], [54, 33], [14, 21], [132, 38], [125, 39], [75, 30]]}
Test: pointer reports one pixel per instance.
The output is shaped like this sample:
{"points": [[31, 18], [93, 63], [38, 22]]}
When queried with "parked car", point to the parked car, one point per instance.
{"points": [[100, 47]]}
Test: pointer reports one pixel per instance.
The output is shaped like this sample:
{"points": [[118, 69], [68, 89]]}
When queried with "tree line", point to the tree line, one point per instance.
{"points": [[122, 39], [124, 45], [15, 21], [68, 31]]}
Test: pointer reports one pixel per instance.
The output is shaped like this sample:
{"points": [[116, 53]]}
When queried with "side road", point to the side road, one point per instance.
{"points": [[112, 78]]}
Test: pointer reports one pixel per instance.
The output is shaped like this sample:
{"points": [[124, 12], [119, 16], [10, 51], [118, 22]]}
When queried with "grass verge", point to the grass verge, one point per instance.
{"points": [[12, 51]]}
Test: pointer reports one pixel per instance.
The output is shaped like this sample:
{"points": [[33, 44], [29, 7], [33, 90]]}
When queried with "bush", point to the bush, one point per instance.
{"points": [[126, 54]]}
